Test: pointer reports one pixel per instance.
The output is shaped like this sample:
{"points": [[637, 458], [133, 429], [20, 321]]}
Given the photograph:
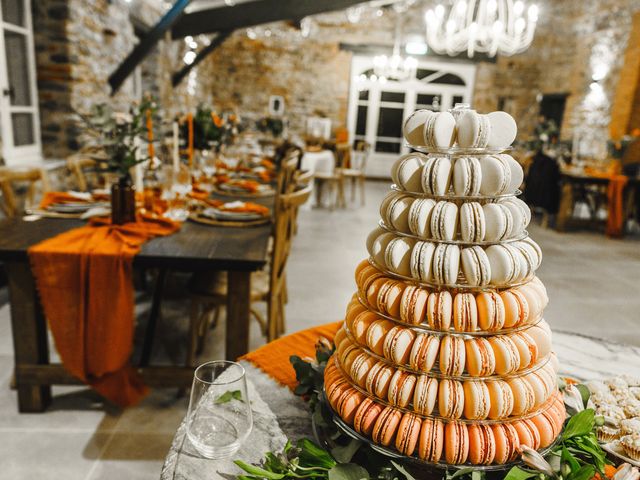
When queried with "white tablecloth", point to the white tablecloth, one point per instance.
{"points": [[322, 161]]}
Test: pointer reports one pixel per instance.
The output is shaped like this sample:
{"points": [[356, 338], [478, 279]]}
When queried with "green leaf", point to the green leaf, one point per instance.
{"points": [[257, 471], [460, 472], [584, 473], [344, 453], [348, 471], [312, 455], [403, 471], [580, 424], [584, 393], [228, 396], [517, 473], [569, 459], [477, 475]]}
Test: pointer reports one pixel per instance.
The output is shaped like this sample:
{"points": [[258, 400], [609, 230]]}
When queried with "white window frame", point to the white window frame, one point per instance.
{"points": [[379, 163], [24, 154]]}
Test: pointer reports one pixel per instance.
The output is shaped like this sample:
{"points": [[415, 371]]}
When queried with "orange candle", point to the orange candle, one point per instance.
{"points": [[150, 133], [190, 146]]}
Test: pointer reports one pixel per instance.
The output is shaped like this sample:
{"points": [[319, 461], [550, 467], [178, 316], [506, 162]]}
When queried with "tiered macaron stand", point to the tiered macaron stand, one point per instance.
{"points": [[336, 366]]}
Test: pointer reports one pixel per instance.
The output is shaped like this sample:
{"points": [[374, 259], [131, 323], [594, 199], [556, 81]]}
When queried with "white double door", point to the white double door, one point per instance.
{"points": [[19, 120], [377, 110]]}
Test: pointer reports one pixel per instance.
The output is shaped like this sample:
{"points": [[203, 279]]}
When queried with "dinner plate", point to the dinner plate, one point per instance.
{"points": [[223, 215], [79, 207]]}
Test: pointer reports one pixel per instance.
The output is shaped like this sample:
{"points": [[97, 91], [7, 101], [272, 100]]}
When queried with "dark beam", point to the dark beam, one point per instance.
{"points": [[201, 55], [146, 44], [251, 13]]}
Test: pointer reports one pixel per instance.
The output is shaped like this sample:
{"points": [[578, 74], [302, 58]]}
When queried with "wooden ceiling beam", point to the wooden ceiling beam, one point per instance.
{"points": [[201, 55], [255, 12]]}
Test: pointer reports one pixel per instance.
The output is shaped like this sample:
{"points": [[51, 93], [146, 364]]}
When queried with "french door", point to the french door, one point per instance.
{"points": [[19, 120], [377, 110]]}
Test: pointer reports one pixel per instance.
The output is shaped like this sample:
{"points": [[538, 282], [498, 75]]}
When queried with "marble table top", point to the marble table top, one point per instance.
{"points": [[278, 414]]}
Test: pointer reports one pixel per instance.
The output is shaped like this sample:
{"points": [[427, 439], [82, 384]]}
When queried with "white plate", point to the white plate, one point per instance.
{"points": [[71, 207], [614, 448], [222, 215]]}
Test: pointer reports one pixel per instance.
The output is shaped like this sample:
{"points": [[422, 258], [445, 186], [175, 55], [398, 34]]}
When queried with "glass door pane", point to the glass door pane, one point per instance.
{"points": [[390, 114], [17, 55], [13, 12]]}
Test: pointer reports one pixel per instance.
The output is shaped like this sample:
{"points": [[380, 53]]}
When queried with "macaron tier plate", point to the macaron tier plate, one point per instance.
{"points": [[444, 356], [439, 441]]}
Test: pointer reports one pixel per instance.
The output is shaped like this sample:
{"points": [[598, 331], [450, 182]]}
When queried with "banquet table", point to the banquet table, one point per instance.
{"points": [[578, 185], [280, 415], [195, 247]]}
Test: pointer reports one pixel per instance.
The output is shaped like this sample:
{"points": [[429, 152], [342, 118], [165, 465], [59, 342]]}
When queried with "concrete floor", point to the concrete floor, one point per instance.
{"points": [[593, 284]]}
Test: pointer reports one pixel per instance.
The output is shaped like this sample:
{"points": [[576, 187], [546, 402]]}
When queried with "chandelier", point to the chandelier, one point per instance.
{"points": [[395, 67], [487, 26]]}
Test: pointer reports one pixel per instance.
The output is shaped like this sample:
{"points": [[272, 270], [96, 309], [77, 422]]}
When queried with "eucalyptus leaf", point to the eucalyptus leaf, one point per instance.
{"points": [[312, 455], [569, 459], [348, 471], [403, 471], [460, 472], [258, 471], [516, 473], [583, 473], [344, 453], [229, 395]]}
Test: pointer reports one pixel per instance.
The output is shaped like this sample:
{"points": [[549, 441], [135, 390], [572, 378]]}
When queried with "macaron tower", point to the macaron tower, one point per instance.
{"points": [[444, 354]]}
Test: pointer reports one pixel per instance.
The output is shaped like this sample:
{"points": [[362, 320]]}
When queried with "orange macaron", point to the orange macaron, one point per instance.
{"points": [[482, 444], [456, 443], [480, 359], [424, 352], [452, 355], [465, 312], [431, 440], [408, 433], [376, 334], [397, 344], [440, 310], [413, 305], [366, 416], [491, 314], [384, 430]]}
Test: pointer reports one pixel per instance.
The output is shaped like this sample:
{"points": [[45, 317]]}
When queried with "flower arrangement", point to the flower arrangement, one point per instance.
{"points": [[617, 148], [211, 129], [121, 134]]}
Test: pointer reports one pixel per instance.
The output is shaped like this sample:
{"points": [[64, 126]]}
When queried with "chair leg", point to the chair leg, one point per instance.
{"points": [[261, 320], [361, 181], [343, 202], [282, 317], [272, 319], [216, 316], [353, 189], [194, 328]]}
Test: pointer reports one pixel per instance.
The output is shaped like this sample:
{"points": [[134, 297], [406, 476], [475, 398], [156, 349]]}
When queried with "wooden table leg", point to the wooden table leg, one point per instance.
{"points": [[147, 347], [238, 308], [565, 210], [29, 330]]}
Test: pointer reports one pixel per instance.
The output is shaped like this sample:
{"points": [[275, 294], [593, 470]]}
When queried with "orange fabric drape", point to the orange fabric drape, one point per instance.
{"points": [[273, 358], [84, 278], [615, 198]]}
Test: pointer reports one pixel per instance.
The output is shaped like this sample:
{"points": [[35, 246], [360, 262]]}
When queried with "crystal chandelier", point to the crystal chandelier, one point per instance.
{"points": [[488, 26], [395, 67]]}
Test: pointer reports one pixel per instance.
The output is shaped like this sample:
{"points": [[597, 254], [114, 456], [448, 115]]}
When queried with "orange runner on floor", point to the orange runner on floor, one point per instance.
{"points": [[84, 278], [273, 358], [615, 198]]}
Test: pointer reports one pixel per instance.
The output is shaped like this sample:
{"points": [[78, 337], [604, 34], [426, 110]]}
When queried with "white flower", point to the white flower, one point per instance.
{"points": [[122, 117]]}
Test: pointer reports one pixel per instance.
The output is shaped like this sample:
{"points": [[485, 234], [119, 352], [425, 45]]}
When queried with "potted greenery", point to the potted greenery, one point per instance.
{"points": [[121, 136]]}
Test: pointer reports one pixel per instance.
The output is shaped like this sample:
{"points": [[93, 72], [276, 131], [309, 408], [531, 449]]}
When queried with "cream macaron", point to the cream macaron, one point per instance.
{"points": [[420, 217], [421, 261], [397, 256], [436, 175], [446, 264], [472, 222], [413, 304], [401, 388], [467, 176], [439, 310], [450, 398], [439, 130], [413, 128], [396, 212], [473, 130], [452, 355], [444, 221], [498, 222], [476, 400], [501, 398], [465, 312], [425, 394], [496, 175], [407, 170], [397, 344], [503, 129], [506, 354], [424, 352], [475, 266]]}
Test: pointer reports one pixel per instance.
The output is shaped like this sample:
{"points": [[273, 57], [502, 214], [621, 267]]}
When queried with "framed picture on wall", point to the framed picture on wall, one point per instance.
{"points": [[276, 106]]}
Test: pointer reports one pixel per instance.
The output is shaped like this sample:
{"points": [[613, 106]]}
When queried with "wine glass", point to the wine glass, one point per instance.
{"points": [[180, 187], [219, 419]]}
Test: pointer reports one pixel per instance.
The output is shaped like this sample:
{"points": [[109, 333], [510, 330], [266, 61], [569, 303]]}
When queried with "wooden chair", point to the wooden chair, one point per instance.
{"points": [[356, 170], [209, 290], [77, 164], [11, 176], [334, 180]]}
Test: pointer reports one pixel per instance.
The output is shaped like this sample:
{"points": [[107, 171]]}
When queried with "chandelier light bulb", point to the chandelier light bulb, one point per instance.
{"points": [[491, 6], [520, 24], [461, 7], [497, 26], [451, 25], [439, 11], [518, 8], [532, 13], [599, 72]]}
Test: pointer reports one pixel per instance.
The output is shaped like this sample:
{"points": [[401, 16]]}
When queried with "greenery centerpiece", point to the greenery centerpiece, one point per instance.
{"points": [[272, 125], [212, 130], [575, 456], [124, 139]]}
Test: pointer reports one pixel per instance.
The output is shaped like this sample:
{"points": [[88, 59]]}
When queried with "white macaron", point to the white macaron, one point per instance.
{"points": [[436, 175], [413, 128], [406, 171], [475, 266], [473, 130], [379, 247], [505, 264], [503, 129], [422, 260], [444, 220], [440, 130], [496, 175], [499, 222], [397, 256], [472, 222], [397, 213], [446, 264], [520, 212], [517, 173], [420, 217], [467, 176]]}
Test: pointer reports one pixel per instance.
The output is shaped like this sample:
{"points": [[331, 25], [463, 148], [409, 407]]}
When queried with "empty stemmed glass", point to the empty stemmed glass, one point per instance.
{"points": [[219, 418], [176, 195]]}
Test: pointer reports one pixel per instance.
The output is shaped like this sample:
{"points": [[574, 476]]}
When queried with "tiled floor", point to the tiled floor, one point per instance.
{"points": [[593, 284]]}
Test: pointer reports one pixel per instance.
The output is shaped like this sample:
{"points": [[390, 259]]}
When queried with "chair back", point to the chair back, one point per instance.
{"points": [[343, 155], [77, 164], [284, 230], [360, 156], [11, 176]]}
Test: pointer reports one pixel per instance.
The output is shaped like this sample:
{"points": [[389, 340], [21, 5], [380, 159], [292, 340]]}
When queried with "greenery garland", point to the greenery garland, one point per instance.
{"points": [[575, 456]]}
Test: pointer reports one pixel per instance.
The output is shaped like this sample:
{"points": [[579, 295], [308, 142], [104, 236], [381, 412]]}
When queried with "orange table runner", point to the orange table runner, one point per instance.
{"points": [[273, 358], [84, 278]]}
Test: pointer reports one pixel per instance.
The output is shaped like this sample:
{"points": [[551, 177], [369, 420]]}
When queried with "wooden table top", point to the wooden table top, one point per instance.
{"points": [[193, 247]]}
